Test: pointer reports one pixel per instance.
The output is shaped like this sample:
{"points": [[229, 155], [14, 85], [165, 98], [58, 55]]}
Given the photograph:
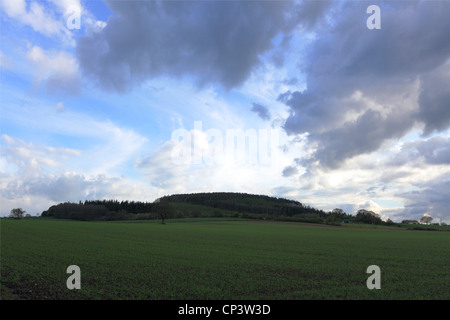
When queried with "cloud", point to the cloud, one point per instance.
{"points": [[434, 99], [36, 176], [63, 6], [366, 88], [24, 164], [72, 186], [59, 107], [398, 184], [432, 198], [52, 18], [5, 62], [48, 189], [431, 151], [66, 187], [38, 16], [365, 135], [216, 42], [58, 70], [30, 159], [261, 111], [213, 161], [290, 171], [163, 171], [106, 146]]}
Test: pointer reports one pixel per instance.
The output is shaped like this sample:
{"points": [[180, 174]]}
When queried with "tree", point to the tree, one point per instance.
{"points": [[17, 213], [163, 209], [426, 219], [331, 220], [366, 216], [339, 213]]}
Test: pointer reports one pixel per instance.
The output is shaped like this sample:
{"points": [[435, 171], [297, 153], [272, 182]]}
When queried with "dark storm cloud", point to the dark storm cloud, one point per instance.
{"points": [[433, 151], [211, 41], [346, 57], [290, 171], [261, 111], [434, 100], [364, 135], [311, 12]]}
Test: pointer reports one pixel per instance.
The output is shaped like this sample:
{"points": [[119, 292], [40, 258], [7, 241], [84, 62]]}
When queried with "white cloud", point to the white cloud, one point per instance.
{"points": [[105, 146], [36, 176], [208, 162], [38, 194], [58, 70], [64, 5], [38, 16], [396, 182], [32, 159], [14, 8]]}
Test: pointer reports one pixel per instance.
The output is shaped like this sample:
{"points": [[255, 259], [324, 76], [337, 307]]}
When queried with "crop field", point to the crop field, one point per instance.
{"points": [[219, 259]]}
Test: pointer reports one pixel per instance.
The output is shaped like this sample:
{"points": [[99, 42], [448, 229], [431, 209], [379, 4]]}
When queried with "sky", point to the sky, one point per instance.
{"points": [[335, 104]]}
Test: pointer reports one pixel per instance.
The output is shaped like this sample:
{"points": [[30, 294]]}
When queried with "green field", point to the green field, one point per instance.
{"points": [[219, 259]]}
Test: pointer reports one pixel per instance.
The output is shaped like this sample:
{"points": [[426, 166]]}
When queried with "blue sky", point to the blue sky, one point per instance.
{"points": [[153, 98]]}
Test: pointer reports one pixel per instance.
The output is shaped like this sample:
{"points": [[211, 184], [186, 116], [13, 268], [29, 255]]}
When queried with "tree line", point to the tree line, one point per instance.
{"points": [[98, 210], [236, 204]]}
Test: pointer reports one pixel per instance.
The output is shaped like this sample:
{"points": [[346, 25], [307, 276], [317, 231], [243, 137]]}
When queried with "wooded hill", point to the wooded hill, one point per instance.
{"points": [[215, 204], [247, 203]]}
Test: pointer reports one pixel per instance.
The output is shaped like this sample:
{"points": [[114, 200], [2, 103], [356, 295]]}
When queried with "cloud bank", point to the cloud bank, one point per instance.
{"points": [[368, 87], [210, 42]]}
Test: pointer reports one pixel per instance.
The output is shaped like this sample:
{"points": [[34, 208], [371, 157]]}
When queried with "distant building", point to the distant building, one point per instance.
{"points": [[437, 223]]}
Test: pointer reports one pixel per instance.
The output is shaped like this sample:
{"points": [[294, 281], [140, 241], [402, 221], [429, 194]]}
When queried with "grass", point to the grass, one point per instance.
{"points": [[219, 259]]}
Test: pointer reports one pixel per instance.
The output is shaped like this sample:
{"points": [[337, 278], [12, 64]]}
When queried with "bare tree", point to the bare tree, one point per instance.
{"points": [[17, 213]]}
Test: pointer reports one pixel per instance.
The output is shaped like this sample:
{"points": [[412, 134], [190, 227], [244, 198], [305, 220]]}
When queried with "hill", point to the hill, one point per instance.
{"points": [[245, 203], [213, 204]]}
